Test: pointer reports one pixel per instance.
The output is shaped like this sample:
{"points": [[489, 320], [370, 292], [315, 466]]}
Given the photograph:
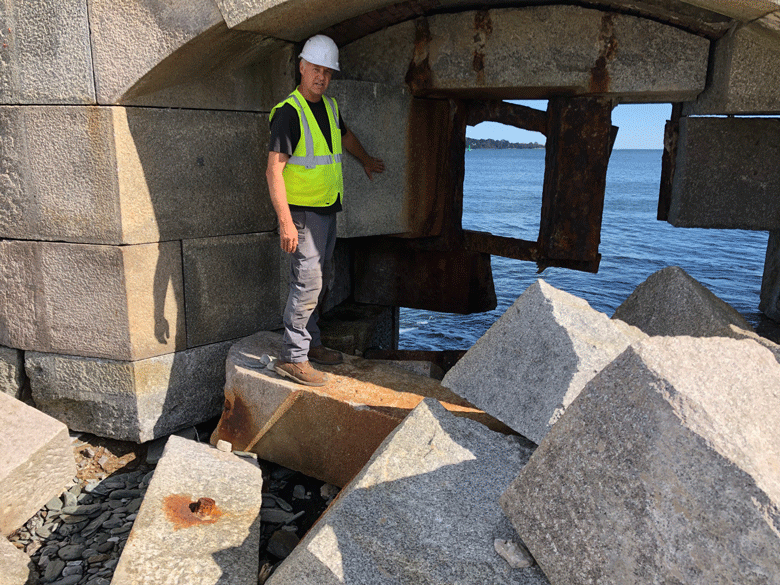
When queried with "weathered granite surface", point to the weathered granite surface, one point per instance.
{"points": [[423, 510], [171, 542], [11, 371], [46, 56], [36, 462], [14, 563], [529, 366], [671, 302], [664, 469]]}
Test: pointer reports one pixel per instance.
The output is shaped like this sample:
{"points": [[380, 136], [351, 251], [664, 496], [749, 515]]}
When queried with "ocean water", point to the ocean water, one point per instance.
{"points": [[502, 195]]}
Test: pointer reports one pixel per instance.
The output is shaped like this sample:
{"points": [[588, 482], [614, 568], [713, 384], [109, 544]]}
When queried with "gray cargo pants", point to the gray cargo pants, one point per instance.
{"points": [[311, 272]]}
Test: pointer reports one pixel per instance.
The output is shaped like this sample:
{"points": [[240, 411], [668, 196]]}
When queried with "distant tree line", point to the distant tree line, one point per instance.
{"points": [[475, 143]]}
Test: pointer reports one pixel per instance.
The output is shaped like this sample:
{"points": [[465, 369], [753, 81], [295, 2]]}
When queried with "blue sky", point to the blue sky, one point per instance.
{"points": [[641, 126]]}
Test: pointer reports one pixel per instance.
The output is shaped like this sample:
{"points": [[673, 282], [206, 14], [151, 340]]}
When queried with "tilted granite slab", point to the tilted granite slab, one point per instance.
{"points": [[424, 509], [180, 538], [326, 432], [36, 462], [16, 565], [663, 470], [529, 366]]}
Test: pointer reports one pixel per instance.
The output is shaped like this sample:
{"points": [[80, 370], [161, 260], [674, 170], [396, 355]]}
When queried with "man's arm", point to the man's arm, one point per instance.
{"points": [[353, 146], [288, 234]]}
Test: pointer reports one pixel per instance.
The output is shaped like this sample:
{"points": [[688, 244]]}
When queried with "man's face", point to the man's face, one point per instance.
{"points": [[314, 80]]}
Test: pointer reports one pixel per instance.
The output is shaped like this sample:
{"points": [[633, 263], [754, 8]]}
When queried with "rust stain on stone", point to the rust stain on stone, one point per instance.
{"points": [[183, 512], [419, 76], [483, 28], [235, 426], [599, 75]]}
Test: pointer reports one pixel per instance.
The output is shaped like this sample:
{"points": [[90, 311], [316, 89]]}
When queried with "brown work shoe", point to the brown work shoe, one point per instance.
{"points": [[324, 356], [301, 372]]}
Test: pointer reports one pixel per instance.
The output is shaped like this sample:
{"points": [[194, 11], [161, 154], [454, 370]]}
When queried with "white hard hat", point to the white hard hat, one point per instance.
{"points": [[321, 50]]}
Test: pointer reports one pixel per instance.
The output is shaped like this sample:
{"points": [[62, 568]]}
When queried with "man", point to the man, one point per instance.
{"points": [[306, 186]]}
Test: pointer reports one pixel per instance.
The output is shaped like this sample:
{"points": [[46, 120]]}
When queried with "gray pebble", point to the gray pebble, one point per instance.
{"points": [[91, 485], [98, 581], [75, 490], [114, 504], [119, 494], [93, 526], [299, 492], [122, 529], [88, 552], [111, 564], [44, 531], [105, 547], [68, 519], [70, 552], [113, 522], [133, 505], [69, 580], [53, 570], [85, 510], [72, 570], [54, 504], [95, 559], [69, 500], [275, 516]]}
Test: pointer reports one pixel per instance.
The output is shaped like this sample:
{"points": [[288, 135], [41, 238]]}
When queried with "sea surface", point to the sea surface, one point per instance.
{"points": [[503, 194]]}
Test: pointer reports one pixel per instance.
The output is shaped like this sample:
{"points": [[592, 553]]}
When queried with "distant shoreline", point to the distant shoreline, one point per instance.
{"points": [[492, 144]]}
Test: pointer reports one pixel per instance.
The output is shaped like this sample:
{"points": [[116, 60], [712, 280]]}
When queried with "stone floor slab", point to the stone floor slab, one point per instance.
{"points": [[530, 365], [663, 470], [326, 432], [423, 510], [36, 461], [14, 563], [174, 541]]}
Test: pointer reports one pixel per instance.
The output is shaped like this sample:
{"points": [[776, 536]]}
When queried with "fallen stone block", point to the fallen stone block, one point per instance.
{"points": [[11, 371], [423, 510], [663, 470], [130, 401], [199, 522], [46, 54], [15, 565], [529, 366], [671, 302], [36, 462], [327, 432]]}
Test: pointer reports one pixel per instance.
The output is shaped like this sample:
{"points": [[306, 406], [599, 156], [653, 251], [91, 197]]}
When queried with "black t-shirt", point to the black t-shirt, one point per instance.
{"points": [[286, 132]]}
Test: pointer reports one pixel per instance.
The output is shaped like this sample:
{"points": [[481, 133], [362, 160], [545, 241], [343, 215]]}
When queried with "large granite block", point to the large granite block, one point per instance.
{"points": [[663, 470], [745, 68], [184, 55], [36, 462], [726, 174], [230, 287], [118, 302], [327, 432], [543, 49], [11, 371], [175, 541], [130, 401], [534, 361], [379, 116], [423, 510], [671, 302], [113, 175], [46, 55]]}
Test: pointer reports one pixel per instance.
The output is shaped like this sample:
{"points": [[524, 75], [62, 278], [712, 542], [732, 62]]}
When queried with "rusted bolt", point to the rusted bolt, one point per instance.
{"points": [[203, 507]]}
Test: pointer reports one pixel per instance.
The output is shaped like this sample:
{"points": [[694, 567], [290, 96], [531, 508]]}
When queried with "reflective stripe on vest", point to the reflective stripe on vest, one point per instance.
{"points": [[310, 161]]}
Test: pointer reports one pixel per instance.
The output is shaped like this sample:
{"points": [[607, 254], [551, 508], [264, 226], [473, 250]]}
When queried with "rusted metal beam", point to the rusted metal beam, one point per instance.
{"points": [[523, 250], [671, 134], [505, 113], [396, 272], [579, 143]]}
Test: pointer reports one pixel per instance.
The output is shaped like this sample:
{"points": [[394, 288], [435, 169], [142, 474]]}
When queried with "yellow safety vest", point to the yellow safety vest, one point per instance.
{"points": [[312, 175]]}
